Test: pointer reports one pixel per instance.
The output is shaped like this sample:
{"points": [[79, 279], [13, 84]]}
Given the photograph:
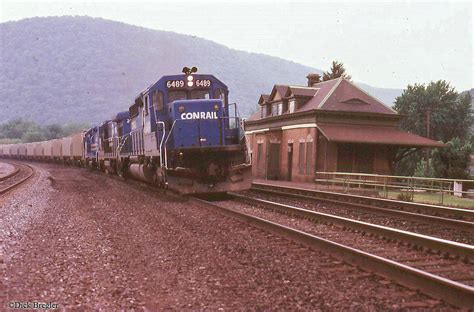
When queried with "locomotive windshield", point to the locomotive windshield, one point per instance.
{"points": [[195, 95], [177, 95], [192, 95]]}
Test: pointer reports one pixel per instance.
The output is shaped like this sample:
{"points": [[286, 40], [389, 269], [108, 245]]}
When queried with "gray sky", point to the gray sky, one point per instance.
{"points": [[385, 44]]}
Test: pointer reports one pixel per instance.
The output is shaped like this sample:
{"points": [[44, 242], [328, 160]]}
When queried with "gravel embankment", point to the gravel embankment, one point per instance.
{"points": [[90, 242]]}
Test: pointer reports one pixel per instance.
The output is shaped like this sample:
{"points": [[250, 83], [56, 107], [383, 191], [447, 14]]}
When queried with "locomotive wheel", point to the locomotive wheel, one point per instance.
{"points": [[120, 168]]}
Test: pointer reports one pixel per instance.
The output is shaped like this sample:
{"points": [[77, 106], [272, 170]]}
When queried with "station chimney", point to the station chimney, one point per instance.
{"points": [[313, 79]]}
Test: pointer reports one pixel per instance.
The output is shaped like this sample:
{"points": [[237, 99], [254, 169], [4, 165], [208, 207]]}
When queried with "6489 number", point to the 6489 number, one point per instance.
{"points": [[171, 84], [203, 83]]}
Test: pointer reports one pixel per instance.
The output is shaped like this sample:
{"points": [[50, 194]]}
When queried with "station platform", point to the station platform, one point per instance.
{"points": [[315, 186], [5, 169]]}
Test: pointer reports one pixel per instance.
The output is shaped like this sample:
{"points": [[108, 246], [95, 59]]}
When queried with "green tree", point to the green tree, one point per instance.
{"points": [[53, 131], [73, 128], [450, 119], [424, 169], [449, 113], [15, 128], [452, 161], [33, 135], [9, 141], [337, 70]]}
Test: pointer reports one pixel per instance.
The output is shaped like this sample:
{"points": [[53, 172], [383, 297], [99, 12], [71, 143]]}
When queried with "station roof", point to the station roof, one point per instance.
{"points": [[368, 134], [332, 95]]}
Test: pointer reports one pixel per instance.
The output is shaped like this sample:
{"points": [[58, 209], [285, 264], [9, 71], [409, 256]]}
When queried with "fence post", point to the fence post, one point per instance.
{"points": [[441, 192]]}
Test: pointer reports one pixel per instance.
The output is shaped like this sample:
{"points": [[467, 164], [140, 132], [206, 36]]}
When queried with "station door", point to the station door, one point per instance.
{"points": [[273, 161]]}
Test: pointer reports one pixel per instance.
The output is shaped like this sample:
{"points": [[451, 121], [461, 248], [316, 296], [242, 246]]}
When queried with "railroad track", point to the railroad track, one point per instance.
{"points": [[439, 268], [423, 212], [442, 227], [21, 174]]}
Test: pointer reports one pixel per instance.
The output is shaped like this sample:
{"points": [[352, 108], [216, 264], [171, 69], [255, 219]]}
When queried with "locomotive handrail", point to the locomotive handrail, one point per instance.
{"points": [[161, 146], [169, 133], [122, 139]]}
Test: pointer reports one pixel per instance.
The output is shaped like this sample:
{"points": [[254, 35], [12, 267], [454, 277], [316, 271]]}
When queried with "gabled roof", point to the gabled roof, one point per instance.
{"points": [[332, 95], [263, 98], [301, 91], [278, 89], [348, 97], [326, 88], [254, 116]]}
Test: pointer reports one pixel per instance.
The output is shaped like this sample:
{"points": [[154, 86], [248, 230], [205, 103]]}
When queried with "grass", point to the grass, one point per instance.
{"points": [[434, 199]]}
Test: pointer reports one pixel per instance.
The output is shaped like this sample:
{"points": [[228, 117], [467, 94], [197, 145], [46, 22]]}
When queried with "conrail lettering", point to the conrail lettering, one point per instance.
{"points": [[199, 115]]}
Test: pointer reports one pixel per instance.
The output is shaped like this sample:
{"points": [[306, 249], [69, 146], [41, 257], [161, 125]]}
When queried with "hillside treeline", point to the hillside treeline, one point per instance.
{"points": [[82, 69], [24, 131]]}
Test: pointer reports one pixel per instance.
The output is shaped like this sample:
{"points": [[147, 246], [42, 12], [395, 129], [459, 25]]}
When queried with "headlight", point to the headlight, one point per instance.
{"points": [[190, 78], [181, 109], [190, 83], [216, 107]]}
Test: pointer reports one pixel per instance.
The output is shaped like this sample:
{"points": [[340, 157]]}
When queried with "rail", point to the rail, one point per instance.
{"points": [[456, 293], [16, 179], [386, 184]]}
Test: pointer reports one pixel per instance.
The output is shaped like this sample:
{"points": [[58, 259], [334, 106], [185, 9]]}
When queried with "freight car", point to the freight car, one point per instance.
{"points": [[180, 133], [30, 150]]}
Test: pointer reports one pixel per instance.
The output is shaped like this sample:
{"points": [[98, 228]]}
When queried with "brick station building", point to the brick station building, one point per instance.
{"points": [[325, 127]]}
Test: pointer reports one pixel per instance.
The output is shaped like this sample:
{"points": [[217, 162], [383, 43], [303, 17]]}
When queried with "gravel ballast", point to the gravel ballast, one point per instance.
{"points": [[88, 241]]}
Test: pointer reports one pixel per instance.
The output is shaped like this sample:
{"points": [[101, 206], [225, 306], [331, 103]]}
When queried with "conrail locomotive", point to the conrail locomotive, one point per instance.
{"points": [[181, 132]]}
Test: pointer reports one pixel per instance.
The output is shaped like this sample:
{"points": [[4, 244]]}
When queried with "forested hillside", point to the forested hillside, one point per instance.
{"points": [[81, 69]]}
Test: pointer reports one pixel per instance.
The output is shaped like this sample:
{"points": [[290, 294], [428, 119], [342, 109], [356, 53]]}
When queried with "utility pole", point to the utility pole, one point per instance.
{"points": [[428, 122]]}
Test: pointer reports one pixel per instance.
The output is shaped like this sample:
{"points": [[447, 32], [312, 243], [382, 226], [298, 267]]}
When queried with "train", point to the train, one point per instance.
{"points": [[179, 133]]}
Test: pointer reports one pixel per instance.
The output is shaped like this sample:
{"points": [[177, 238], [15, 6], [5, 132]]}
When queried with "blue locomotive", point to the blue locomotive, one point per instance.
{"points": [[181, 132]]}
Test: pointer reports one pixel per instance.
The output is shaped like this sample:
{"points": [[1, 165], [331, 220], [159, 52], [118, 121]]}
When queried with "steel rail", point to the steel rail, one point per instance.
{"points": [[465, 214], [18, 183], [433, 243], [438, 287], [11, 174], [458, 224]]}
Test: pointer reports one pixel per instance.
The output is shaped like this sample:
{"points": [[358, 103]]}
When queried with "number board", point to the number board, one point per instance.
{"points": [[175, 84], [200, 83], [181, 84]]}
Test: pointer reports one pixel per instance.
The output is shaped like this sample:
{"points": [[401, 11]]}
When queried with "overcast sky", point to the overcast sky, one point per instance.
{"points": [[385, 44]]}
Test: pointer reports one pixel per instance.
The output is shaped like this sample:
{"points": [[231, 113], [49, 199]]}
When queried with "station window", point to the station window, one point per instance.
{"points": [[301, 155], [277, 109], [309, 157], [158, 100], [292, 105], [259, 155]]}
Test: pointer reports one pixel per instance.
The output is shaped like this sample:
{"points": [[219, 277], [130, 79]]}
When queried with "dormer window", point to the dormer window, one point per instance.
{"points": [[292, 105], [277, 108], [355, 101], [268, 109]]}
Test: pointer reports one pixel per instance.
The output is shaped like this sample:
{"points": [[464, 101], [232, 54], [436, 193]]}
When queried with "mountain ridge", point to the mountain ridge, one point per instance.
{"points": [[83, 69]]}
